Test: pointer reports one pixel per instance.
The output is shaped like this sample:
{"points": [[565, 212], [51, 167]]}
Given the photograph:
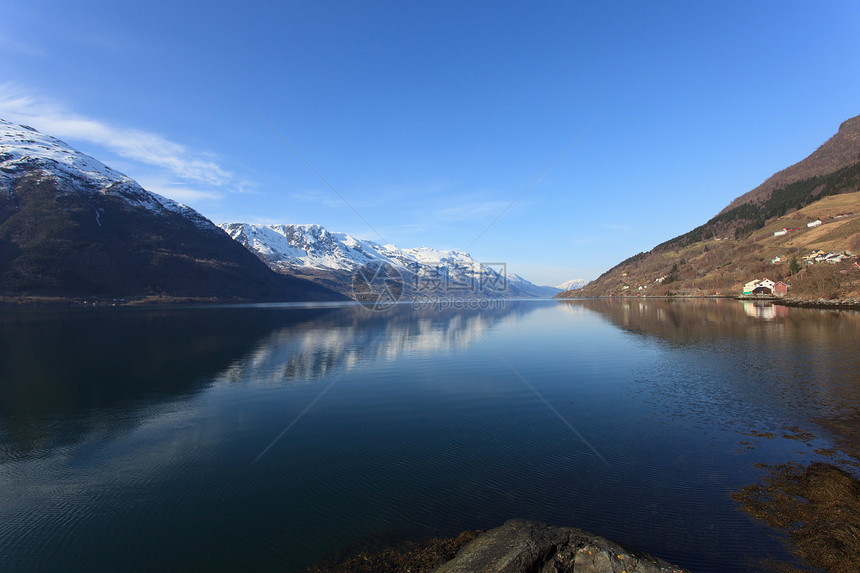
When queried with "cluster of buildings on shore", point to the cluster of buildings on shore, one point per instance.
{"points": [[766, 286]]}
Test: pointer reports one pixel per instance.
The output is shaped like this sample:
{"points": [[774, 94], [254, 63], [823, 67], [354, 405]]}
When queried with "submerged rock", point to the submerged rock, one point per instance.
{"points": [[818, 506], [521, 546]]}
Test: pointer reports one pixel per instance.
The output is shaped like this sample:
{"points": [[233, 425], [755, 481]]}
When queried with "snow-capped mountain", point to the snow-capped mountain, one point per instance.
{"points": [[572, 284], [23, 149], [72, 227], [316, 251]]}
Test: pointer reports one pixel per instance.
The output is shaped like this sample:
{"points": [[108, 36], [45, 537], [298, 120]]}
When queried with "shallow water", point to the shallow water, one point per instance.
{"points": [[271, 436]]}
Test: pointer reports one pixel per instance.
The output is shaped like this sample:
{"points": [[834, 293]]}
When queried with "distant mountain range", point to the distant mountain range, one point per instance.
{"points": [[812, 205], [332, 259], [71, 227], [572, 284]]}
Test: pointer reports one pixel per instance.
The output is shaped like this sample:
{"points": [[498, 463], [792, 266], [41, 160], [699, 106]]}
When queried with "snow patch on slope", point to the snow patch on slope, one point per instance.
{"points": [[572, 284], [23, 149], [290, 248]]}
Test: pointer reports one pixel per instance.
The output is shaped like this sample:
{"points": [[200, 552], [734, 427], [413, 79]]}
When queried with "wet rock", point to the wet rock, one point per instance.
{"points": [[521, 546]]}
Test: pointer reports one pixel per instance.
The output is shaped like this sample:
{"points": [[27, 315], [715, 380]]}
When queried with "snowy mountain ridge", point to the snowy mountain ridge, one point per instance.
{"points": [[572, 284], [106, 198], [292, 248], [23, 149], [73, 229]]}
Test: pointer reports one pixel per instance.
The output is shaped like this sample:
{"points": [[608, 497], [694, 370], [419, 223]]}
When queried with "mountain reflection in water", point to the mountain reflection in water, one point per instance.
{"points": [[57, 367], [268, 437]]}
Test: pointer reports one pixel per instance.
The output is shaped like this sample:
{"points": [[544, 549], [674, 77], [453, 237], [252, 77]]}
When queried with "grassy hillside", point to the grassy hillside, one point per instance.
{"points": [[721, 259], [738, 245]]}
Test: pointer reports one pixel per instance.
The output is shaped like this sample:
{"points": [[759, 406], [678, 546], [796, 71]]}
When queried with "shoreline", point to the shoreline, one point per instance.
{"points": [[154, 301], [842, 304], [37, 302], [517, 546]]}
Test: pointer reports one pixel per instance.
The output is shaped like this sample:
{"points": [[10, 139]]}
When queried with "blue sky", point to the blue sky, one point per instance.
{"points": [[431, 118]]}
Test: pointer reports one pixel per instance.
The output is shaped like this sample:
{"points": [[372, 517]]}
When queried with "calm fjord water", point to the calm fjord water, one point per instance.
{"points": [[263, 438]]}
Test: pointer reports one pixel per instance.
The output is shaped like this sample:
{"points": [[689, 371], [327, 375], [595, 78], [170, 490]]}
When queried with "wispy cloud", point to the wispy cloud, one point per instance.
{"points": [[9, 44], [581, 240], [180, 192], [318, 197], [171, 160], [469, 211], [616, 227]]}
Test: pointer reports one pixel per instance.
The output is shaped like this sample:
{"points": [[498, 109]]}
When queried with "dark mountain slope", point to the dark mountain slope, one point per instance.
{"points": [[71, 227]]}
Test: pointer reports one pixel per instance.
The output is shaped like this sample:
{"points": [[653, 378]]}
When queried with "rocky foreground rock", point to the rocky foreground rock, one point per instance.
{"points": [[521, 546]]}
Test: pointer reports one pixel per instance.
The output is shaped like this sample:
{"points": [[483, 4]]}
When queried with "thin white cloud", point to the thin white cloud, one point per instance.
{"points": [[8, 44], [318, 197], [173, 160], [469, 211], [255, 220], [582, 240], [180, 193], [616, 227]]}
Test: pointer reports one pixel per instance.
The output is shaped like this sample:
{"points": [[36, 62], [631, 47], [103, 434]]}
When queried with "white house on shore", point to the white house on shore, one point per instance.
{"points": [[748, 288], [751, 286]]}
